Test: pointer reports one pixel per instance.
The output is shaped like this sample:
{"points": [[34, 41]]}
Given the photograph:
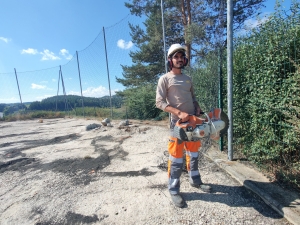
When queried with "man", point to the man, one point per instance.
{"points": [[175, 94]]}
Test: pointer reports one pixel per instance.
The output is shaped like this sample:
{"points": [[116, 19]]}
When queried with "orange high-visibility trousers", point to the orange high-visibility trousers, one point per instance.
{"points": [[175, 162]]}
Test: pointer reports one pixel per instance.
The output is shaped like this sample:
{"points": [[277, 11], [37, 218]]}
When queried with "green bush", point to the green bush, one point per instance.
{"points": [[266, 95], [140, 102]]}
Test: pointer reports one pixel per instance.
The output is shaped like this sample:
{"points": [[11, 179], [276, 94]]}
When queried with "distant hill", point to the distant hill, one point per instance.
{"points": [[62, 102], [16, 105], [2, 106]]}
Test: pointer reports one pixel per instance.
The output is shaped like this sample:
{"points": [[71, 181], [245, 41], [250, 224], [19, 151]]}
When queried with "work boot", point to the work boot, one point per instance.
{"points": [[178, 200], [203, 187]]}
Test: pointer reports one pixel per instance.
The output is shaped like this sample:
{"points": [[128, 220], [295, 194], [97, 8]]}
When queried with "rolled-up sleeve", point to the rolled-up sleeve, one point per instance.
{"points": [[161, 93]]}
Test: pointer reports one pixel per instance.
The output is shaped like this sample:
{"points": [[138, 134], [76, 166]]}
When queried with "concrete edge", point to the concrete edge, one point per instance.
{"points": [[285, 212]]}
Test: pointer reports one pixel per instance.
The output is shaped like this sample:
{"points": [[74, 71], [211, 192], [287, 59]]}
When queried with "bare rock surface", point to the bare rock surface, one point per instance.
{"points": [[57, 172]]}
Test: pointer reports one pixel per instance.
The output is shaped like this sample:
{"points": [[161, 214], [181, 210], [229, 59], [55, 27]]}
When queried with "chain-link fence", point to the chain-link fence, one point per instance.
{"points": [[265, 99], [266, 102], [266, 96], [90, 73]]}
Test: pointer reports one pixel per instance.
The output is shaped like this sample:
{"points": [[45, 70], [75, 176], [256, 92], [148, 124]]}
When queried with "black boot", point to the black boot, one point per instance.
{"points": [[178, 200], [203, 187]]}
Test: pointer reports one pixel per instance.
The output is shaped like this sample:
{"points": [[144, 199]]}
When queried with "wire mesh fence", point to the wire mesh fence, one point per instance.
{"points": [[91, 72], [266, 97], [266, 87]]}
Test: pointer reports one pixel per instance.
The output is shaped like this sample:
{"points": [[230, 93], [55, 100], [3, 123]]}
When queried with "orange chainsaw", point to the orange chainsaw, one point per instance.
{"points": [[213, 126]]}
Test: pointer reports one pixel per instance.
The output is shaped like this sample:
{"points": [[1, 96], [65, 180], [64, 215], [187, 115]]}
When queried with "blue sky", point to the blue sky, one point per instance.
{"points": [[51, 27], [37, 36]]}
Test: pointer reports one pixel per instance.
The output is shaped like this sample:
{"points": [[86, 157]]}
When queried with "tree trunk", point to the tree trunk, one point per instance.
{"points": [[187, 20]]}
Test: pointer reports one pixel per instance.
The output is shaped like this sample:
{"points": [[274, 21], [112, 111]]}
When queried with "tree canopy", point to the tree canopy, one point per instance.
{"points": [[199, 25]]}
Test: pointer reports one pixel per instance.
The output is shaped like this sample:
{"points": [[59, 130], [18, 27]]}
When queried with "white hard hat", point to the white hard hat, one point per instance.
{"points": [[176, 48]]}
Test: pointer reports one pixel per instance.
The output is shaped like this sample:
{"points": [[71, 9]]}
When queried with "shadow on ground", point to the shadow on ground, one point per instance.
{"points": [[75, 218], [233, 196], [81, 170]]}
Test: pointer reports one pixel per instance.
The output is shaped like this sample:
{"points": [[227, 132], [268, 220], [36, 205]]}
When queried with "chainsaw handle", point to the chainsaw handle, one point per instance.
{"points": [[192, 122], [179, 121]]}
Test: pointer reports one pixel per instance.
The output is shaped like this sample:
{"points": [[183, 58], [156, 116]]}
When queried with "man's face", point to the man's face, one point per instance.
{"points": [[178, 60]]}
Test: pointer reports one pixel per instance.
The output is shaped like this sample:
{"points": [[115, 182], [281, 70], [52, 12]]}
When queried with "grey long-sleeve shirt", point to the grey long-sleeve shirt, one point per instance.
{"points": [[176, 91]]}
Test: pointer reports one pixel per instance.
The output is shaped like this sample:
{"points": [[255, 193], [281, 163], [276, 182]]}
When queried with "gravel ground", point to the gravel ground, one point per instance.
{"points": [[57, 172]]}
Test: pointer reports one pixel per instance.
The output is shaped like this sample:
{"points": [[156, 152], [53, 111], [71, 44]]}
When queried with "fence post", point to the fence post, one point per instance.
{"points": [[57, 89], [220, 92], [80, 83], [229, 75], [64, 91], [107, 71], [163, 30], [18, 88], [164, 40]]}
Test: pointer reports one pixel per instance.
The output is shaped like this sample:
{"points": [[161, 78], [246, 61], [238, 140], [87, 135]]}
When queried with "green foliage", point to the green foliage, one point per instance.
{"points": [[28, 115], [202, 32], [148, 60], [87, 112], [266, 94], [2, 106], [69, 102], [11, 108], [206, 81], [141, 102], [98, 112]]}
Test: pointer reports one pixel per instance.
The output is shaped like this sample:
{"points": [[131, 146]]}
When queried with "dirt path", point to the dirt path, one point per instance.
{"points": [[56, 172]]}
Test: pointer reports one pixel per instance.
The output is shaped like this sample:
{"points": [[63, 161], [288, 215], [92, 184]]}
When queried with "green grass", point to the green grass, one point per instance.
{"points": [[88, 112]]}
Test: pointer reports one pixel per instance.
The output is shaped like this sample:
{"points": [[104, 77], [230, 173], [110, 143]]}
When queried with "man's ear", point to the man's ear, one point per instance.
{"points": [[170, 63]]}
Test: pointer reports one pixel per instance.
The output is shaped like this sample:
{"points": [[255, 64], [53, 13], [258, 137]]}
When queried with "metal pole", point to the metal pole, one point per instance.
{"points": [[80, 82], [220, 92], [57, 89], [18, 88], [107, 72], [229, 75], [164, 40], [163, 30], [64, 91]]}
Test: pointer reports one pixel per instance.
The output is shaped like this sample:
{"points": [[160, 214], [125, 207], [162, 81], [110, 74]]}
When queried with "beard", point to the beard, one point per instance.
{"points": [[179, 65]]}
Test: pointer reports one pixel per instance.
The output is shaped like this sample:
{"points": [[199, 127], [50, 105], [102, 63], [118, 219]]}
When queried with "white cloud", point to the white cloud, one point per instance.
{"points": [[6, 40], [48, 55], [37, 86], [253, 23], [65, 53], [124, 45], [54, 80], [30, 51], [93, 92]]}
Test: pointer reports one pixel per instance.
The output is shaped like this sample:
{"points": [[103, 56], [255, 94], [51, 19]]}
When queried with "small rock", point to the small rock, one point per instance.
{"points": [[92, 126], [124, 123], [105, 121]]}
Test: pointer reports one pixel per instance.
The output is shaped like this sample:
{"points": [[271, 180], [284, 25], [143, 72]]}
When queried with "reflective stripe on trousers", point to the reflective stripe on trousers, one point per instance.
{"points": [[175, 163]]}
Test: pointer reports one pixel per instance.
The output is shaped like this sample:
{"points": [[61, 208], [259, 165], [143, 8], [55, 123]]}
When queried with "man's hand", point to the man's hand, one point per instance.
{"points": [[183, 116], [197, 109]]}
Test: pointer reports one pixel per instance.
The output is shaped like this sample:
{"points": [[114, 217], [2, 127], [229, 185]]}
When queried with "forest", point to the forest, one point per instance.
{"points": [[63, 103]]}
